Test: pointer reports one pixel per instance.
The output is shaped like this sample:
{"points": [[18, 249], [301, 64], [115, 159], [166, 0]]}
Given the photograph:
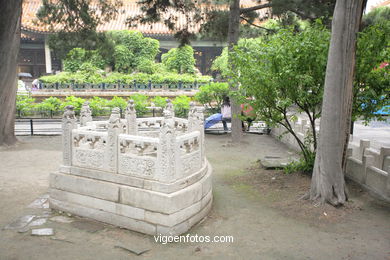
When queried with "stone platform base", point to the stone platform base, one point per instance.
{"points": [[141, 205]]}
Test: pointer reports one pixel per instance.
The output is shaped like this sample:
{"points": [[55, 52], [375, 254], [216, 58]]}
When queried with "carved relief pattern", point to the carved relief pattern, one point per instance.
{"points": [[166, 152], [138, 166], [85, 114], [131, 118], [191, 163], [115, 127], [189, 146], [89, 158], [192, 118], [68, 124]]}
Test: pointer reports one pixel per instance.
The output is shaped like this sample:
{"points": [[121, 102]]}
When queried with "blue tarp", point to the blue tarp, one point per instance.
{"points": [[212, 120]]}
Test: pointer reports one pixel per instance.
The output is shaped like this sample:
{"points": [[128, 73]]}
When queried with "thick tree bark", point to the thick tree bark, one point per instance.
{"points": [[233, 34], [328, 183], [9, 48]]}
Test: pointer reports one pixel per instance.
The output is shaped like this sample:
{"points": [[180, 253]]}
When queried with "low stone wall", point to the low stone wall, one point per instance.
{"points": [[365, 165], [40, 95]]}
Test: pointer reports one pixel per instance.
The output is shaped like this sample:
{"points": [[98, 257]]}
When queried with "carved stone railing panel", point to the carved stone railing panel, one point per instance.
{"points": [[150, 123], [137, 156], [189, 142], [89, 149], [189, 164], [181, 125]]}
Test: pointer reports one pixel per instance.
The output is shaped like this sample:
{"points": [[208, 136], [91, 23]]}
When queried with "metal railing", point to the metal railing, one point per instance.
{"points": [[119, 86]]}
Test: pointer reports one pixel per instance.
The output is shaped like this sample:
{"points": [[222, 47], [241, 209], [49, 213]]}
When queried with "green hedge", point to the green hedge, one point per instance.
{"points": [[98, 77], [99, 106]]}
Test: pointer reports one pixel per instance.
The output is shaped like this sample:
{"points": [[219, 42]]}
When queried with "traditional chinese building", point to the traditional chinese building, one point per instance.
{"points": [[36, 57]]}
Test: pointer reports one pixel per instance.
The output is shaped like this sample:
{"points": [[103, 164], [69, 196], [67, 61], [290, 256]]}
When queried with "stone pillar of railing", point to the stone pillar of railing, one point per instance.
{"points": [[167, 150], [192, 118], [169, 107], [384, 152], [200, 125], [196, 123], [364, 144], [85, 114], [68, 124], [131, 118], [115, 127]]}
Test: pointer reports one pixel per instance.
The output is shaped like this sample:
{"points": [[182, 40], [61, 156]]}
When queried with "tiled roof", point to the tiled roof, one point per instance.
{"points": [[129, 8]]}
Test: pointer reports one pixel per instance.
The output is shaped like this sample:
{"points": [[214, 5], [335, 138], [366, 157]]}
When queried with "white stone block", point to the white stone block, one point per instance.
{"points": [[160, 202], [355, 170], [177, 185], [175, 230], [201, 214], [206, 199], [84, 186], [171, 220], [107, 176], [99, 204], [65, 169], [377, 180], [121, 221], [206, 184]]}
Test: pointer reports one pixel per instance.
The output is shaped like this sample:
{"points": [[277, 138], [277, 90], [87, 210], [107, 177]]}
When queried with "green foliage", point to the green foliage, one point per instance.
{"points": [[159, 101], [128, 51], [372, 83], [133, 51], [141, 103], [24, 104], [282, 70], [212, 94], [123, 58], [181, 105], [97, 59], [220, 63], [99, 106], [180, 60], [147, 66], [376, 16], [77, 57], [50, 104], [117, 102], [76, 102], [63, 42], [96, 76], [302, 165], [74, 59]]}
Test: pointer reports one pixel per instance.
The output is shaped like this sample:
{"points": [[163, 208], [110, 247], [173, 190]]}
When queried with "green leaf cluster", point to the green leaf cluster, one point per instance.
{"points": [[159, 101], [372, 82], [88, 75], [77, 57], [181, 105], [24, 103], [180, 60], [99, 106], [281, 71], [212, 94]]}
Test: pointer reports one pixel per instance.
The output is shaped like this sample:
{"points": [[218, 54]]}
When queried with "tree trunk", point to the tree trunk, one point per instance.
{"points": [[233, 34], [9, 48], [328, 183]]}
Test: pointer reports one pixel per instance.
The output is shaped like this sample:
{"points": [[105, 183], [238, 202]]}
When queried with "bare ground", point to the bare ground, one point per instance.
{"points": [[260, 208]]}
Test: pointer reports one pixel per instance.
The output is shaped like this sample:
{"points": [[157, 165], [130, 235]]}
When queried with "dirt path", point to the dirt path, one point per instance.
{"points": [[259, 208]]}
